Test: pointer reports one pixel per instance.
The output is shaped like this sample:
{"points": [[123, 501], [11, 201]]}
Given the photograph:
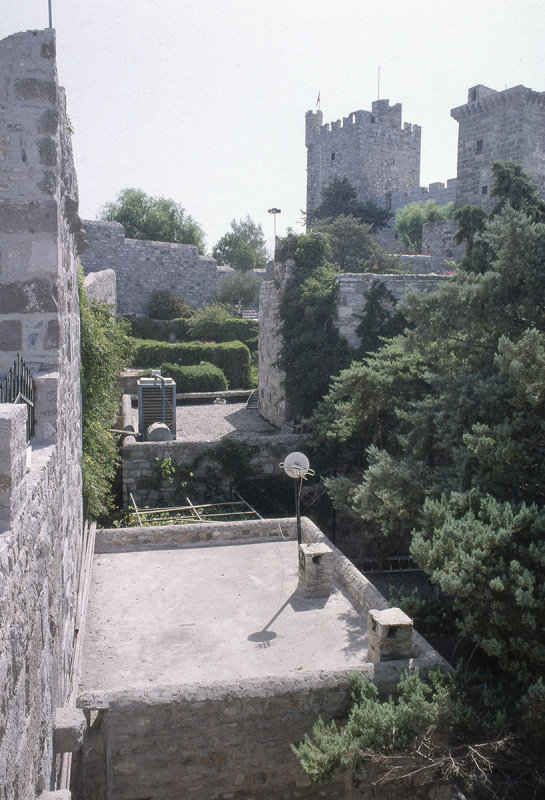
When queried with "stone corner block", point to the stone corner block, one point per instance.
{"points": [[390, 635], [60, 794], [68, 730], [315, 569]]}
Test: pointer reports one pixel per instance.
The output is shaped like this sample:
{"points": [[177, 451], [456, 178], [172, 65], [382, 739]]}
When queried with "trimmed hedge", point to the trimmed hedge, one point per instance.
{"points": [[229, 330], [198, 378], [233, 358], [159, 329]]}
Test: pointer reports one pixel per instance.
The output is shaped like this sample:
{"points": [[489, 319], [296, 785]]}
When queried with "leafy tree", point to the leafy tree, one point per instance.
{"points": [[450, 418], [410, 218], [312, 348], [105, 350], [381, 318], [243, 248], [353, 247], [512, 186], [239, 289], [166, 305], [340, 198], [157, 219]]}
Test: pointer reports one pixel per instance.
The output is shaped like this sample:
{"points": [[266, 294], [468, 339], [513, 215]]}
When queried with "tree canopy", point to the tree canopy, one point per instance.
{"points": [[243, 248], [410, 218], [353, 248], [157, 219], [340, 198], [450, 417], [447, 423]]}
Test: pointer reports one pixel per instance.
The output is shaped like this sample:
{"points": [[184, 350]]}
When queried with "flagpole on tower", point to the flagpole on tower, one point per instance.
{"points": [[50, 14]]}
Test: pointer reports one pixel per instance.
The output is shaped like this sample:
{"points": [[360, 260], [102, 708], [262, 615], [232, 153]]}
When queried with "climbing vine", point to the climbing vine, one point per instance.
{"points": [[312, 348]]}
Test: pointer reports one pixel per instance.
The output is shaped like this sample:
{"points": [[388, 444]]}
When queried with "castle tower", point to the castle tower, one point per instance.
{"points": [[371, 148], [508, 125]]}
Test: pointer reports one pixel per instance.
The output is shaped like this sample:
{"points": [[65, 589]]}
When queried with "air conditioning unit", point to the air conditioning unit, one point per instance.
{"points": [[156, 403]]}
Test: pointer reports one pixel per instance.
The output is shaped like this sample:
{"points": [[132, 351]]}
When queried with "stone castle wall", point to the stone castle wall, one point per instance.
{"points": [[143, 267], [493, 125], [371, 148], [353, 288], [40, 485]]}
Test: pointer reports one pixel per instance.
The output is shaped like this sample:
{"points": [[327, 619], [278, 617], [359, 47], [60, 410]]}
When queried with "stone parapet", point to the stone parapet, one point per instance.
{"points": [[40, 498]]}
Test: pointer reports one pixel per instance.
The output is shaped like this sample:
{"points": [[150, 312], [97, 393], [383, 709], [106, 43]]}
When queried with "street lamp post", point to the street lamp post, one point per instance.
{"points": [[274, 212]]}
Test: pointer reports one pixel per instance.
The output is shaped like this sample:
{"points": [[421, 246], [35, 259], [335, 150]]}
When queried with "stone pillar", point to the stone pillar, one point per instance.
{"points": [[315, 569], [390, 635]]}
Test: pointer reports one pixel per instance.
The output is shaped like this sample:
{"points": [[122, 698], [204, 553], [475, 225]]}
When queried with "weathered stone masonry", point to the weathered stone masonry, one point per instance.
{"points": [[143, 268], [370, 148], [493, 125], [40, 504]]}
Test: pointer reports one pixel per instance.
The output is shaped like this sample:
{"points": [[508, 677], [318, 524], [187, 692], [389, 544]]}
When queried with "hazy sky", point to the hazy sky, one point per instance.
{"points": [[204, 101]]}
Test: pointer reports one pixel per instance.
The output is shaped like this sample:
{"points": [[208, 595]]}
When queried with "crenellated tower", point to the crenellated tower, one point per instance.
{"points": [[507, 125], [373, 149]]}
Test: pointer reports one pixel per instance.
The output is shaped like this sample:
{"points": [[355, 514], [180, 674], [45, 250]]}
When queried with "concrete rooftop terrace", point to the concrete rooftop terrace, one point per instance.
{"points": [[209, 423], [212, 614], [219, 603]]}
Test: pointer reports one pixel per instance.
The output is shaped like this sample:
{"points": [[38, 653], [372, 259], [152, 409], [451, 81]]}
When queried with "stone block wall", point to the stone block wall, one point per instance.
{"points": [[438, 244], [143, 268], [40, 486], [141, 459], [370, 148], [353, 290], [494, 125]]}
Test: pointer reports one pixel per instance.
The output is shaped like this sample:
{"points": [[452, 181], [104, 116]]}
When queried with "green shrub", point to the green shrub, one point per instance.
{"points": [[166, 305], [216, 324], [231, 357], [204, 377]]}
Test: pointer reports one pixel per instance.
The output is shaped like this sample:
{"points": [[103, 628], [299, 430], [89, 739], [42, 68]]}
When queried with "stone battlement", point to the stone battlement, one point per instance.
{"points": [[371, 148]]}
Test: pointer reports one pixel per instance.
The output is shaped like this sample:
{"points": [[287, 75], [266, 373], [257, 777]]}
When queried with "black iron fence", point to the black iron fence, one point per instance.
{"points": [[17, 386]]}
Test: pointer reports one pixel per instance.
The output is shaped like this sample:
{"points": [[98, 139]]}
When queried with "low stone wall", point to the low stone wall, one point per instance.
{"points": [[143, 268], [102, 286], [141, 460]]}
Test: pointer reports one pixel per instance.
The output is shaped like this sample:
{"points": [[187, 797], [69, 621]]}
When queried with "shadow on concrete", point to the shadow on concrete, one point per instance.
{"points": [[356, 633], [299, 603]]}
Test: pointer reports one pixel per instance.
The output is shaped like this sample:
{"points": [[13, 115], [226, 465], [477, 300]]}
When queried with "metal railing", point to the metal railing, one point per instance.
{"points": [[17, 386]]}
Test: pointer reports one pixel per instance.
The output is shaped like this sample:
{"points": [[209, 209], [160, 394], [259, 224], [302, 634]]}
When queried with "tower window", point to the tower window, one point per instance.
{"points": [[479, 147], [484, 189], [333, 156]]}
